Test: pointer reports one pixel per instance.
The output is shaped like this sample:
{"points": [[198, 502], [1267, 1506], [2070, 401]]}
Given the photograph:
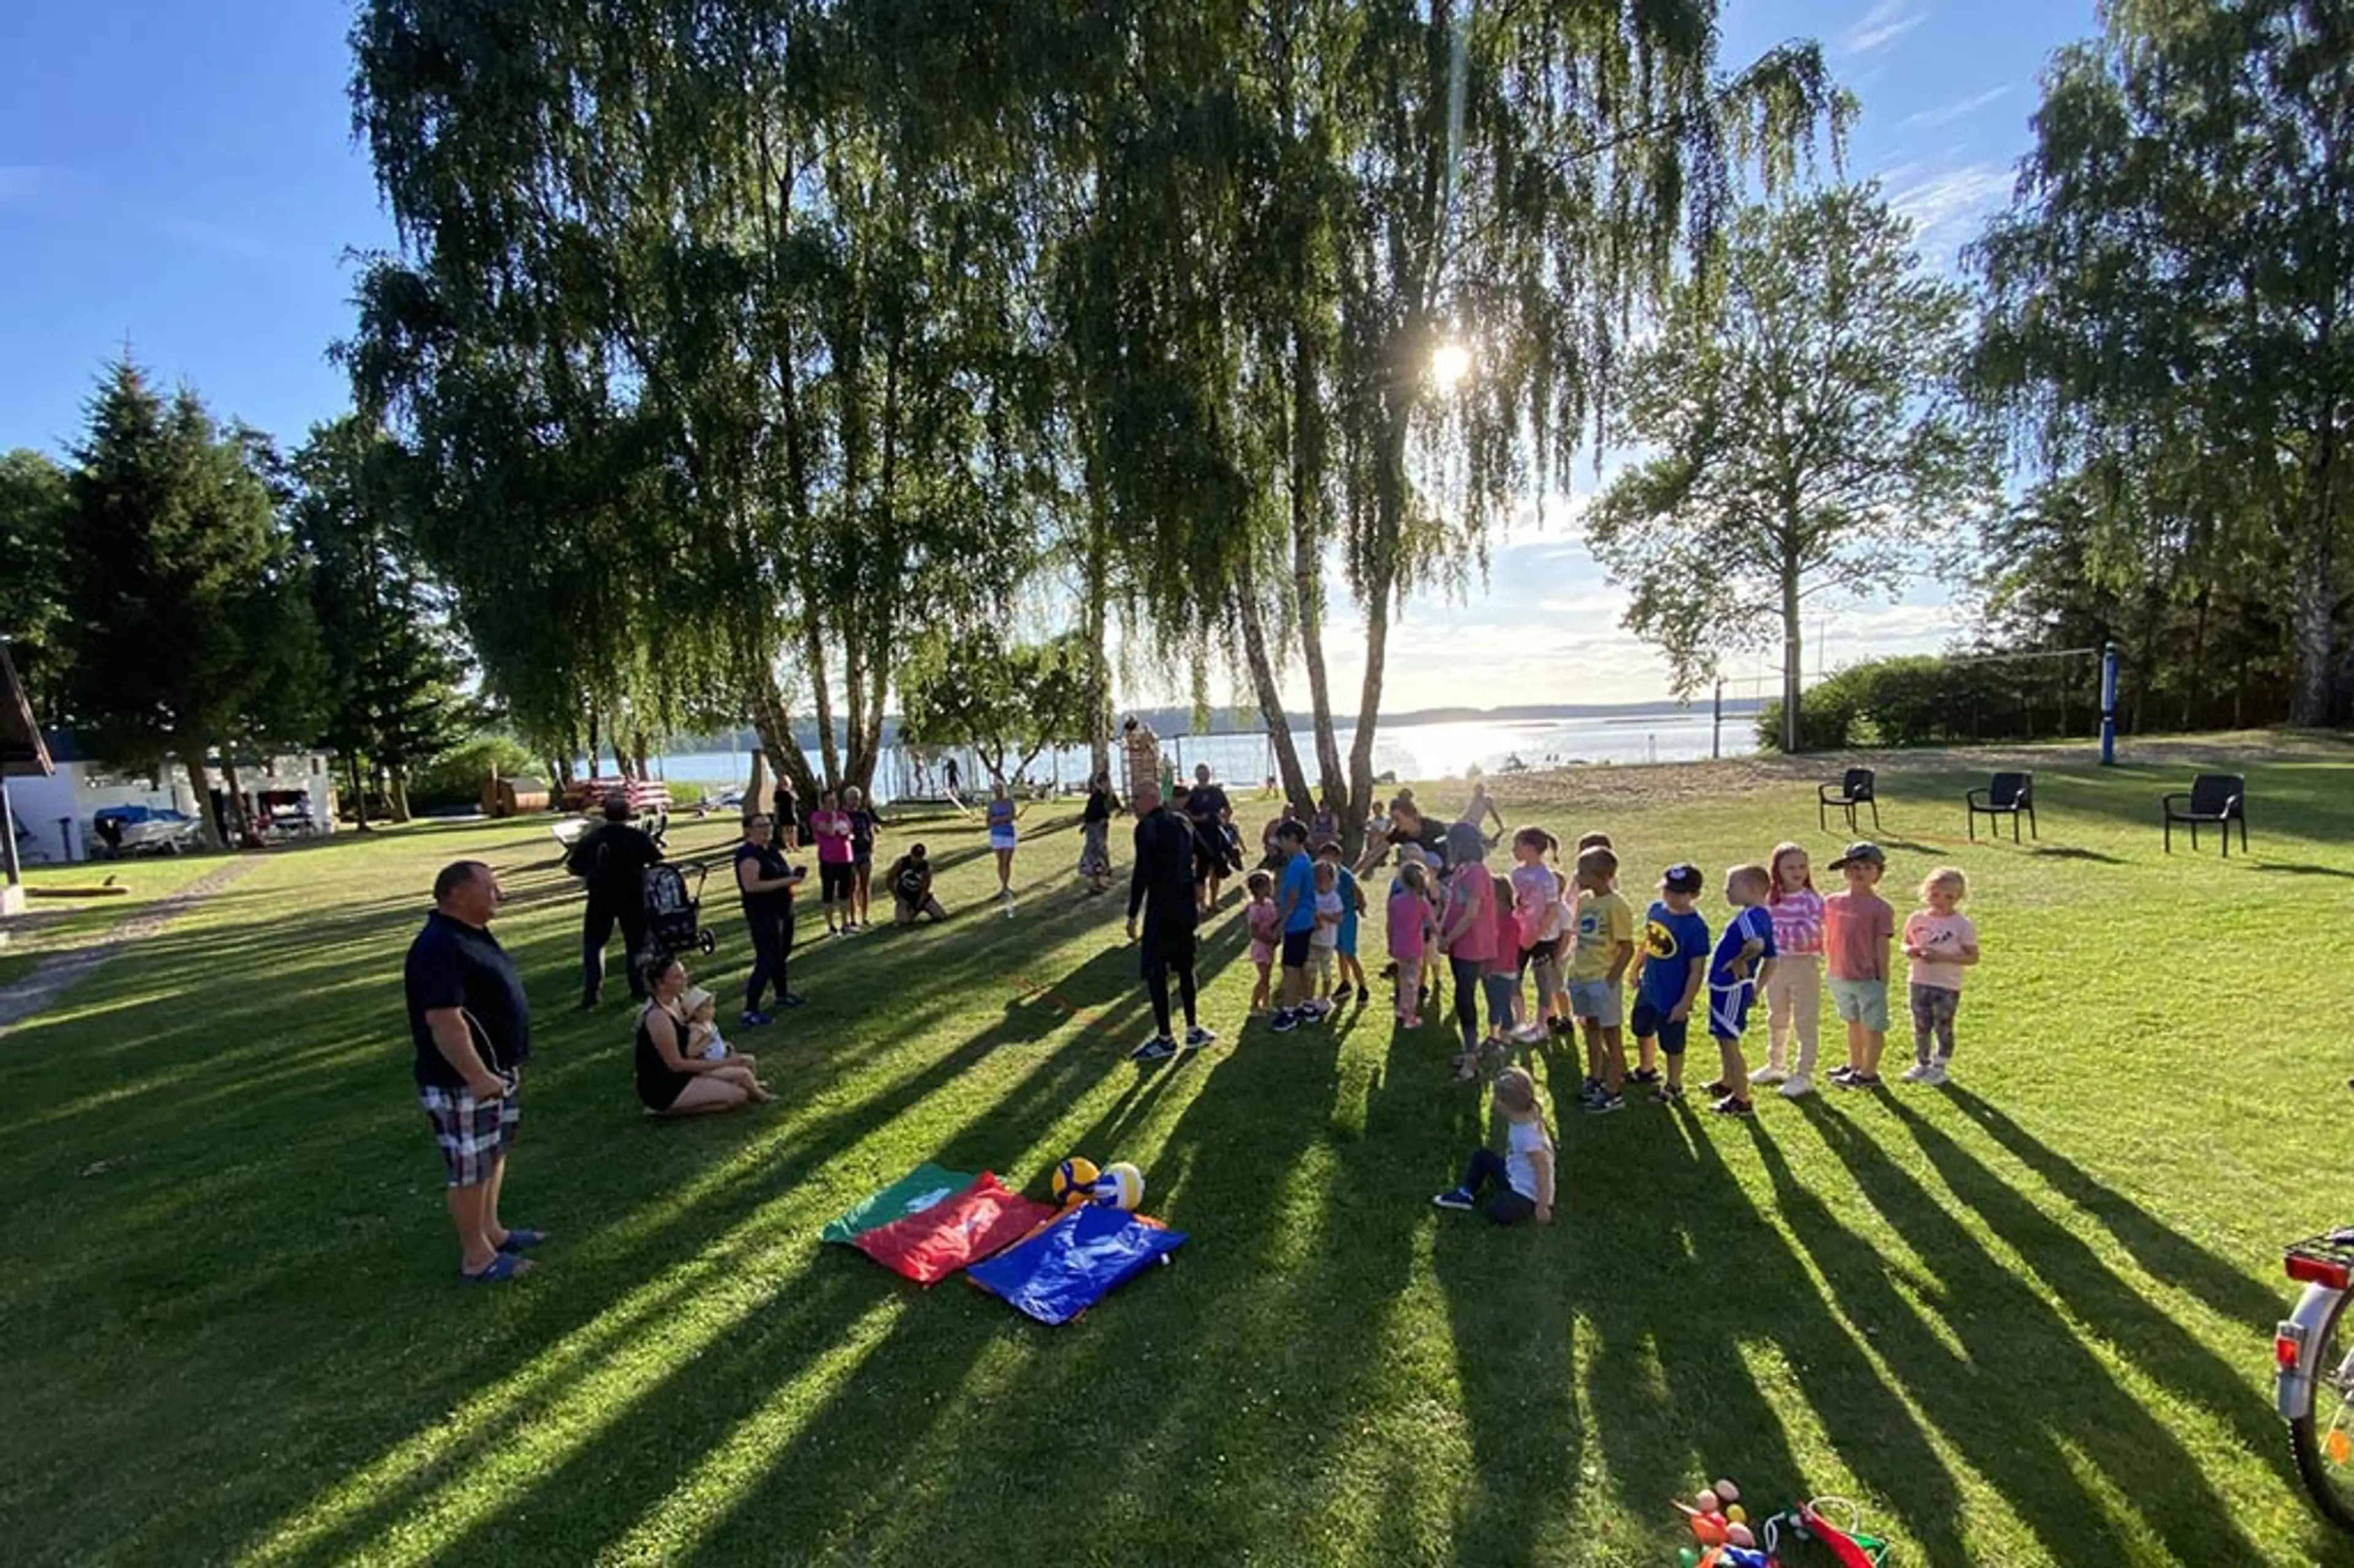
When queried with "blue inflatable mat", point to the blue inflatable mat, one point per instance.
{"points": [[1074, 1262]]}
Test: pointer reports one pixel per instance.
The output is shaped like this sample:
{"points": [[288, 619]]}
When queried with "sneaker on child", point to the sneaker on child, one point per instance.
{"points": [[1154, 1049], [1917, 1072], [1285, 1021], [1454, 1198], [1769, 1075], [1197, 1037], [1798, 1087], [1604, 1102]]}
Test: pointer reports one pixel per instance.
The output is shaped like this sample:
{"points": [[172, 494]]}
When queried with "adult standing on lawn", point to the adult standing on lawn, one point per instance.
{"points": [[865, 822], [1094, 833], [471, 1029], [1206, 807], [1003, 838], [766, 883], [616, 853], [1162, 883], [829, 828]]}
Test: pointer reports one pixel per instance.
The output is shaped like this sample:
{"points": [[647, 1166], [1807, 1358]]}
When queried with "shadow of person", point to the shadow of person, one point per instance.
{"points": [[2009, 1382]]}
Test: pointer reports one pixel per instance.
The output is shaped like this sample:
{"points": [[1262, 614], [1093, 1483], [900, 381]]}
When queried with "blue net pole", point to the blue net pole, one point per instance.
{"points": [[2109, 706]]}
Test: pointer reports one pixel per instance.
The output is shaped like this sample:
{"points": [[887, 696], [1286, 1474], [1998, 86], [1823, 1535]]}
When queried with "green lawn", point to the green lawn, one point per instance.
{"points": [[56, 921], [2025, 1321]]}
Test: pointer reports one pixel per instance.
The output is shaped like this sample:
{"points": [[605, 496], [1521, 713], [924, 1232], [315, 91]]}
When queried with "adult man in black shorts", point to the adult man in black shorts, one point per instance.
{"points": [[471, 1029], [615, 854], [1162, 883]]}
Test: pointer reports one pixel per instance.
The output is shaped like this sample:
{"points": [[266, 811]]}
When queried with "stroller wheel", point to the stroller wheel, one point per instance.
{"points": [[707, 942]]}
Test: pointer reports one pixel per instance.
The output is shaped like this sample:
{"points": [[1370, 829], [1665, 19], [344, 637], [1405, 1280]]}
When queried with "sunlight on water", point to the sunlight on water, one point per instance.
{"points": [[1449, 750]]}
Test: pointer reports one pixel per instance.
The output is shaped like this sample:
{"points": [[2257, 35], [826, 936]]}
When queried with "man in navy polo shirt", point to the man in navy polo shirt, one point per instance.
{"points": [[471, 1029]]}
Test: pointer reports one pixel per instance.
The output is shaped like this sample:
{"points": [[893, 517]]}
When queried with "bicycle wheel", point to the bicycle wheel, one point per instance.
{"points": [[2323, 1439]]}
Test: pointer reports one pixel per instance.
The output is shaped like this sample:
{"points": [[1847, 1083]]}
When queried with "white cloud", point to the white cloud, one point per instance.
{"points": [[1886, 22], [1945, 208], [1961, 107]]}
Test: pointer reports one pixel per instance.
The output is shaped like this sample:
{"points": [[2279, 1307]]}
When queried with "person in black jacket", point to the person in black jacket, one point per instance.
{"points": [[1162, 885], [613, 856]]}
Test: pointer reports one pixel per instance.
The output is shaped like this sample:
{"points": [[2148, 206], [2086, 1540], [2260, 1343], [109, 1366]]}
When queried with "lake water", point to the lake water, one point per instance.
{"points": [[1409, 751]]}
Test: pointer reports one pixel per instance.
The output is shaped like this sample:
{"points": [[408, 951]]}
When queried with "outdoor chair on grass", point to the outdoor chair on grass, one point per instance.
{"points": [[2008, 795], [2220, 798], [1857, 788]]}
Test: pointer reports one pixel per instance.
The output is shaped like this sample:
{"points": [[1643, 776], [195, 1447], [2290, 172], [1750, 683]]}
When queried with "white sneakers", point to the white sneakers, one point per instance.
{"points": [[1768, 1074], [1529, 1033], [1797, 1086]]}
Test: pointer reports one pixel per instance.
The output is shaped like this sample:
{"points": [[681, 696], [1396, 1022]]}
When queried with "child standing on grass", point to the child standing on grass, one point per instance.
{"points": [[1743, 960], [1411, 925], [1558, 1015], [1670, 968], [1352, 905], [1794, 991], [1265, 922], [1941, 941], [1466, 933], [1502, 981], [1325, 939], [1522, 1175], [1597, 973], [1536, 922], [1857, 927]]}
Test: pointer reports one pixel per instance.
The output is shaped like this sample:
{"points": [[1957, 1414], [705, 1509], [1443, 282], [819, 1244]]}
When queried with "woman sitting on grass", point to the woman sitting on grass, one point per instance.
{"points": [[673, 1077]]}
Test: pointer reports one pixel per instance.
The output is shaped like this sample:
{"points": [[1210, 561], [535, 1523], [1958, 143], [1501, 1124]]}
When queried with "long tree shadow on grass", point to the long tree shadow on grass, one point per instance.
{"points": [[1677, 1285], [1207, 1385], [624, 1476], [2164, 1253], [2021, 1397]]}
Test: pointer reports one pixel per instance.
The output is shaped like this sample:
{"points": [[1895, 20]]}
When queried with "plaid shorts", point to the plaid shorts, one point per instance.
{"points": [[472, 1132]]}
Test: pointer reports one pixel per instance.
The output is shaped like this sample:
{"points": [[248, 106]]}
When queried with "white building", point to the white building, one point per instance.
{"points": [[54, 814]]}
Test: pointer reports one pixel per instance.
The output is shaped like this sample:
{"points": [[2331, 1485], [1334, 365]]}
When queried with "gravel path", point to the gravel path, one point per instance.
{"points": [[54, 978]]}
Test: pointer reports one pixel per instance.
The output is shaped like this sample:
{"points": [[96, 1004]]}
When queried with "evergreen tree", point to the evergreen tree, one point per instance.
{"points": [[181, 625], [32, 542]]}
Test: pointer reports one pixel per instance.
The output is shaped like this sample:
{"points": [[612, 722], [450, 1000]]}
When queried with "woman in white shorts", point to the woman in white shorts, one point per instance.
{"points": [[1002, 840]]}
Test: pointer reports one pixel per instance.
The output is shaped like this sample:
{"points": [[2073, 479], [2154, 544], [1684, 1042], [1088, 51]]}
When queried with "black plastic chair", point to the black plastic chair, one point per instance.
{"points": [[2008, 795], [1858, 787], [2220, 798]]}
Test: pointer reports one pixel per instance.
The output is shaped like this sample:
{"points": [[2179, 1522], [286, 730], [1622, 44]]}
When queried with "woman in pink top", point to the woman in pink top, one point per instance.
{"points": [[830, 826], [1794, 986], [1467, 931]]}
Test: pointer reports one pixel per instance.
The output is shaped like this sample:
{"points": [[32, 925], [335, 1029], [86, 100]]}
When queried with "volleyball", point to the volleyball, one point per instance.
{"points": [[1121, 1186], [1073, 1175]]}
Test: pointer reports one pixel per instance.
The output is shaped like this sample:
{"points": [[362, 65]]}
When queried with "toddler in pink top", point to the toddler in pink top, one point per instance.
{"points": [[1265, 922], [1412, 926], [1941, 942], [1794, 986]]}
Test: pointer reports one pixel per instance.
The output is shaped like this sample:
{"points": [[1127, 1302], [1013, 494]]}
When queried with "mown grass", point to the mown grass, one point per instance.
{"points": [[2024, 1320], [57, 919]]}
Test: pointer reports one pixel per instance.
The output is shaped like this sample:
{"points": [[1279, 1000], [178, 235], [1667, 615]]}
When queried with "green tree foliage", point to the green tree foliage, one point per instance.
{"points": [[1006, 701], [188, 629], [1932, 700], [32, 556], [2170, 309], [1805, 399], [703, 325], [392, 675]]}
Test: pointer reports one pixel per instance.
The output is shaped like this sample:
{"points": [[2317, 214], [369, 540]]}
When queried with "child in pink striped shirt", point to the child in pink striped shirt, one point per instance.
{"points": [[1794, 986]]}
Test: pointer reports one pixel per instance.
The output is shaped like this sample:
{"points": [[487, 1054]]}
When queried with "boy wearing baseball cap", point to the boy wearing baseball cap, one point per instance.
{"points": [[1858, 926], [1669, 969]]}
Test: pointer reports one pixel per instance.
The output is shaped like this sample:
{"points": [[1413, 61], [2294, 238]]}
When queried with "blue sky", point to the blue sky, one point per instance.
{"points": [[181, 178]]}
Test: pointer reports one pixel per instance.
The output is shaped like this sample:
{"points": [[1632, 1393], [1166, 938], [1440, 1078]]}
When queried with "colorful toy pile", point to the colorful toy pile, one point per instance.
{"points": [[1050, 1261], [1727, 1539]]}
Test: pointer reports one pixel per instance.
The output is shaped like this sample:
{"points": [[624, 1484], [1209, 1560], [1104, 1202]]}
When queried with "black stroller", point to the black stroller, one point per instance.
{"points": [[674, 911]]}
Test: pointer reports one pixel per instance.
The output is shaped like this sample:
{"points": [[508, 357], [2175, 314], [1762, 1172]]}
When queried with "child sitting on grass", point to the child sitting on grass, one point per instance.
{"points": [[1744, 956], [1941, 941], [1265, 922], [1522, 1175], [1412, 924], [1668, 975]]}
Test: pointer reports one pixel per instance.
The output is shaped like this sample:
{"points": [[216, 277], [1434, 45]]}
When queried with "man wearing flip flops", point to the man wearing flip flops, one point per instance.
{"points": [[472, 1029]]}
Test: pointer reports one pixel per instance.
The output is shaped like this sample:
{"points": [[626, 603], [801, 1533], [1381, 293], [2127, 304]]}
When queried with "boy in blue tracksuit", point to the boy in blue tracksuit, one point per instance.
{"points": [[1736, 975]]}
